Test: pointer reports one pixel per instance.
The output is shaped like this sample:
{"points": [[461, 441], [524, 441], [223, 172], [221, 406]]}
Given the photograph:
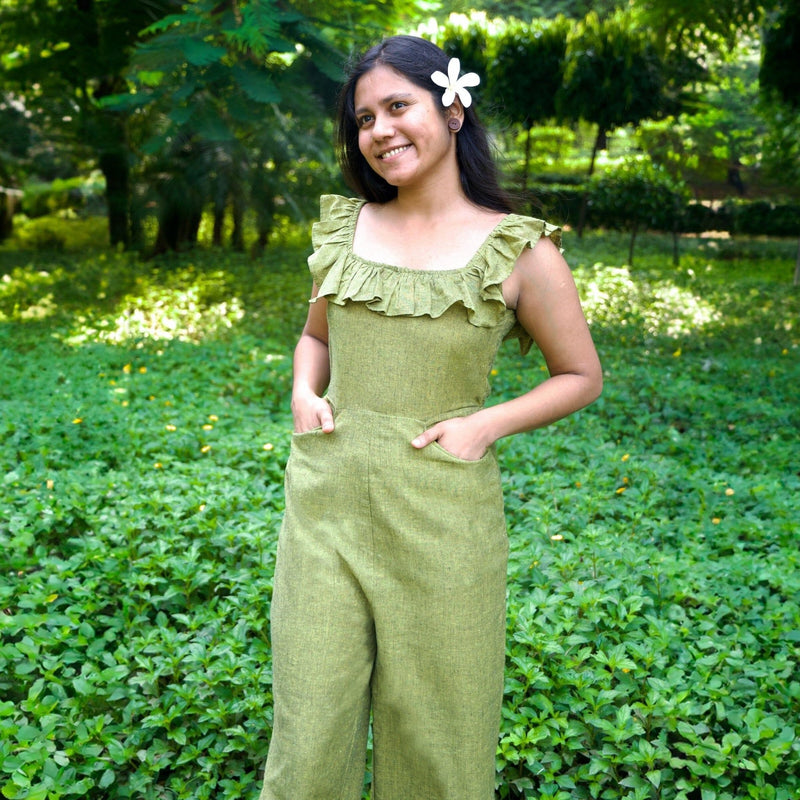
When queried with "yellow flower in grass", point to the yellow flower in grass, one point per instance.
{"points": [[208, 427], [77, 420], [730, 492], [269, 446], [142, 370], [170, 428], [213, 418], [205, 448], [127, 369]]}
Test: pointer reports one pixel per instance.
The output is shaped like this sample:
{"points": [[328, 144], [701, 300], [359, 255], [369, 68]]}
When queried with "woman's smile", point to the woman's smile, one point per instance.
{"points": [[394, 152]]}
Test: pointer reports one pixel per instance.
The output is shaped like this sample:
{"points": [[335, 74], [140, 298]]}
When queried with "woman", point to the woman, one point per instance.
{"points": [[389, 594]]}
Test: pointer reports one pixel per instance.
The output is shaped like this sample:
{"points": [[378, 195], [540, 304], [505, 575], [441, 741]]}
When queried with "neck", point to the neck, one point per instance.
{"points": [[432, 198]]}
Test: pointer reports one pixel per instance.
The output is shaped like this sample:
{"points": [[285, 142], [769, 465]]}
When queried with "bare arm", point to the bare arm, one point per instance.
{"points": [[542, 290], [312, 372]]}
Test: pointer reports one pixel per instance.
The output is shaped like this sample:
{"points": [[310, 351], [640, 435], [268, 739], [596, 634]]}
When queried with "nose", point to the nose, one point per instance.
{"points": [[382, 127]]}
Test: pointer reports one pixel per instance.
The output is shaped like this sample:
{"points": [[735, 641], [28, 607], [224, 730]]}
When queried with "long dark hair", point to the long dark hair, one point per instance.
{"points": [[416, 59]]}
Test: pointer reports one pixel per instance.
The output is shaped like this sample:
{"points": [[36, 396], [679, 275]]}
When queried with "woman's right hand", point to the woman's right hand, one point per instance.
{"points": [[311, 411]]}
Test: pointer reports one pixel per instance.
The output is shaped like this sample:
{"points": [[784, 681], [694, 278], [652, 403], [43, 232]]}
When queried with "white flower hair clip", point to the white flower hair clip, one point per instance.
{"points": [[453, 85]]}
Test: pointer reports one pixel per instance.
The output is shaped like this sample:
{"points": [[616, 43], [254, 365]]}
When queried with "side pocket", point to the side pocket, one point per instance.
{"points": [[457, 459]]}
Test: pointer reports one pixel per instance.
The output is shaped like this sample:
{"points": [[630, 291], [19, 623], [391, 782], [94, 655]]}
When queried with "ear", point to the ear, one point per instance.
{"points": [[455, 111]]}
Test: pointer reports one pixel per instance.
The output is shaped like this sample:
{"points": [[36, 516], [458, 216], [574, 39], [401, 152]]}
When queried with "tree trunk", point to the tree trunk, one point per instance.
{"points": [[137, 236], [263, 201], [527, 161], [9, 200], [219, 223], [237, 234], [114, 166], [599, 141], [177, 229], [633, 243]]}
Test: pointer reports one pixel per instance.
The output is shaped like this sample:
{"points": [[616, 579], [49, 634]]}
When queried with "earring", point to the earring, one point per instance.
{"points": [[454, 124]]}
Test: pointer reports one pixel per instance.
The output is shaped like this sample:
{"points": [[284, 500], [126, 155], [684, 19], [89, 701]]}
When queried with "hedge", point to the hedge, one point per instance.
{"points": [[562, 203]]}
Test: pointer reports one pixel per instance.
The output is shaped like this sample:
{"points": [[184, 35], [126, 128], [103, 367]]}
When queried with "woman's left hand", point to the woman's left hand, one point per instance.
{"points": [[459, 436]]}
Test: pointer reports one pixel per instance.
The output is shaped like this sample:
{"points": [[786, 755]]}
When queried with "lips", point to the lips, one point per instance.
{"points": [[394, 151]]}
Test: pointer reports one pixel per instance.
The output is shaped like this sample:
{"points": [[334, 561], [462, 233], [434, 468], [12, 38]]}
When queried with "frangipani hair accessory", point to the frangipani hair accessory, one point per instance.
{"points": [[453, 85]]}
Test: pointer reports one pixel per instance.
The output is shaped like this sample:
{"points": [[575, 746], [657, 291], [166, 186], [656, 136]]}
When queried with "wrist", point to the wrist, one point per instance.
{"points": [[486, 429]]}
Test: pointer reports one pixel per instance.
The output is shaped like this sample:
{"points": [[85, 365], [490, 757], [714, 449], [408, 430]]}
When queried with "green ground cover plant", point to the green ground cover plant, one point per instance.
{"points": [[654, 589]]}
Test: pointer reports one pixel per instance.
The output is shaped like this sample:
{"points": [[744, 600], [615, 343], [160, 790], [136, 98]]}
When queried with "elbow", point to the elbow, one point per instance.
{"points": [[593, 386], [597, 384]]}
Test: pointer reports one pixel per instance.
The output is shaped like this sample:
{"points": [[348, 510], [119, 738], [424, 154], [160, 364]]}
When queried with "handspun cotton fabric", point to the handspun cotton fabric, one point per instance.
{"points": [[390, 581]]}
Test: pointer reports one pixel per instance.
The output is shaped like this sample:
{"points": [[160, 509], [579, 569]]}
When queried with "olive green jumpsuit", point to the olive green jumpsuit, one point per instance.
{"points": [[390, 579]]}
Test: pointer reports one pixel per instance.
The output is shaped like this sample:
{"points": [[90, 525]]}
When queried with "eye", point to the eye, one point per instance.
{"points": [[363, 120], [398, 105]]}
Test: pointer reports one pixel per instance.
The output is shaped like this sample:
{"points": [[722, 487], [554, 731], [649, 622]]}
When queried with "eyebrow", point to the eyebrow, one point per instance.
{"points": [[386, 100]]}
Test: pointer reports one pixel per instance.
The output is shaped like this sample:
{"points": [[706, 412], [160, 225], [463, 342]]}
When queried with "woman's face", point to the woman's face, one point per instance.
{"points": [[402, 133]]}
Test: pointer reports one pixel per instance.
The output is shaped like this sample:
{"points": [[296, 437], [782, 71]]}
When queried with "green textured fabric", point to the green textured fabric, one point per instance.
{"points": [[389, 592]]}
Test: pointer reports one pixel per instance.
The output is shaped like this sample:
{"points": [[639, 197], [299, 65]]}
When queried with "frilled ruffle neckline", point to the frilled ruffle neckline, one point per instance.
{"points": [[341, 276]]}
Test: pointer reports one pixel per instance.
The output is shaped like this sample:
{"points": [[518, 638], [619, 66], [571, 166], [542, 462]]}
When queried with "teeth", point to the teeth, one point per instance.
{"points": [[395, 151]]}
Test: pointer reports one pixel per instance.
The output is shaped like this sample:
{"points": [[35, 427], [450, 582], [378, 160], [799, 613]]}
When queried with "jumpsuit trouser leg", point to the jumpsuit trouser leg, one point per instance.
{"points": [[393, 597]]}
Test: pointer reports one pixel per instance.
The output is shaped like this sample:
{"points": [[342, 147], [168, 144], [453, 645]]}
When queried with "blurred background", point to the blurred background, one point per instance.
{"points": [[171, 123]]}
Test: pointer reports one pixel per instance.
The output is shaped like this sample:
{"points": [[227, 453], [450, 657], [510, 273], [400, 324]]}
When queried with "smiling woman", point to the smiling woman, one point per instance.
{"points": [[416, 65], [390, 580], [400, 131]]}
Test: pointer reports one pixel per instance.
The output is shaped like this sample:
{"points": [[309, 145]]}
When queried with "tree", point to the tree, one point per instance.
{"points": [[526, 74], [613, 77], [61, 61], [639, 195], [697, 26], [529, 10], [210, 79], [236, 96], [780, 85], [206, 86], [720, 133], [780, 44]]}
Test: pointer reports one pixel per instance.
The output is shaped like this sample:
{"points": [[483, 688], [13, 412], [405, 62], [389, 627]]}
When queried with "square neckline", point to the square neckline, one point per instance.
{"points": [[385, 265]]}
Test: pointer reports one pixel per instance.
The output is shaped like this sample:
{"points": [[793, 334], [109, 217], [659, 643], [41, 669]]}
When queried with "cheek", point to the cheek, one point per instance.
{"points": [[364, 141]]}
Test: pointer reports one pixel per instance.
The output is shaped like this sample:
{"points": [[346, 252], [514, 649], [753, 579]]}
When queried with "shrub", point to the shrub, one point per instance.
{"points": [[638, 195]]}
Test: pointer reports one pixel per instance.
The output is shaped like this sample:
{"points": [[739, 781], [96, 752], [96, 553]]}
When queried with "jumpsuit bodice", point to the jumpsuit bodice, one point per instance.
{"points": [[415, 343]]}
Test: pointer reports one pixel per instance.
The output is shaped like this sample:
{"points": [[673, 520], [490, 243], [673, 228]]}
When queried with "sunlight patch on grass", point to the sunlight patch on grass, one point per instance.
{"points": [[192, 309], [610, 294]]}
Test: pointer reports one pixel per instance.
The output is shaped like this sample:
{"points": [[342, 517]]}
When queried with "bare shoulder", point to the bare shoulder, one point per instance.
{"points": [[538, 270]]}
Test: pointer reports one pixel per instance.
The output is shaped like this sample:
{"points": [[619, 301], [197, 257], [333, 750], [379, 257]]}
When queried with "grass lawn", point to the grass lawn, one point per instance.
{"points": [[654, 594]]}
